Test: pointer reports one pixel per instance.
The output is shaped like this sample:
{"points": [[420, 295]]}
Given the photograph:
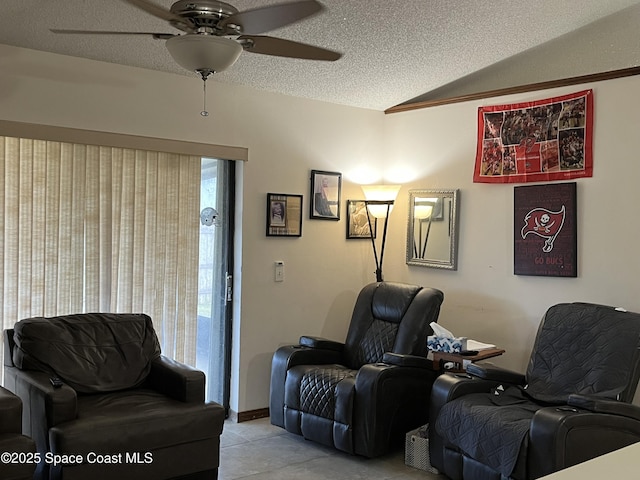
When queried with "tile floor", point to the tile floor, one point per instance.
{"points": [[257, 450]]}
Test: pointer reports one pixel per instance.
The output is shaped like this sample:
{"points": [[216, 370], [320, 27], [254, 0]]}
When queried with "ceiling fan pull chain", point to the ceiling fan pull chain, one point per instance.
{"points": [[204, 112]]}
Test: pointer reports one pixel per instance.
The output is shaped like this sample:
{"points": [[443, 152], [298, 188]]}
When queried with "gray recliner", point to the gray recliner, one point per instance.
{"points": [[120, 409], [573, 403], [361, 396]]}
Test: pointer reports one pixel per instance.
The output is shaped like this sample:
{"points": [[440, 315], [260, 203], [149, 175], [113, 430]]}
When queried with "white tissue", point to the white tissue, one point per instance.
{"points": [[440, 331]]}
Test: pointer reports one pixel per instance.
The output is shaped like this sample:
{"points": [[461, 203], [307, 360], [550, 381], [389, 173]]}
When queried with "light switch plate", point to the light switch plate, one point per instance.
{"points": [[279, 271]]}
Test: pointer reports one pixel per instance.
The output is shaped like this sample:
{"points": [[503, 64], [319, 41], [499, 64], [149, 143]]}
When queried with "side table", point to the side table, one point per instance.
{"points": [[440, 358]]}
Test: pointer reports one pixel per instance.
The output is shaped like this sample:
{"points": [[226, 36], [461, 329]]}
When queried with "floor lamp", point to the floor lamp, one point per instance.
{"points": [[379, 200]]}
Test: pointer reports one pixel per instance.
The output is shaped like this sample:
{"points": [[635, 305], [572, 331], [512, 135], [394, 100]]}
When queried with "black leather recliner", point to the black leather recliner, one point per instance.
{"points": [[573, 403], [22, 460], [121, 411], [365, 394]]}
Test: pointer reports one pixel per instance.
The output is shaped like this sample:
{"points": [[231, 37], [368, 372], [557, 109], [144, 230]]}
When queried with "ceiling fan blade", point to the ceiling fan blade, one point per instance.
{"points": [[264, 19], [160, 12], [157, 36], [286, 48]]}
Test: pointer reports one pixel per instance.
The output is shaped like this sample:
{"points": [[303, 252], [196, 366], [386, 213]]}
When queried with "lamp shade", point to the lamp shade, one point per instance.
{"points": [[422, 212], [424, 208], [385, 194], [204, 52]]}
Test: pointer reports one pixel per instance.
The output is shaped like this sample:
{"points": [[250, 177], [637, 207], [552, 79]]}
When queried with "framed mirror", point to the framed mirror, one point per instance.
{"points": [[432, 236]]}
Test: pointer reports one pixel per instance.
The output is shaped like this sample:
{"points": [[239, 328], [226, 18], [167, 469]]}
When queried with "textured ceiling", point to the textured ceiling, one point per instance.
{"points": [[394, 50]]}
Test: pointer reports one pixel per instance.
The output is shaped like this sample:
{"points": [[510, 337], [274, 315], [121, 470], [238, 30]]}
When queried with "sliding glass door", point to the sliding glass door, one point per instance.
{"points": [[215, 277], [87, 228]]}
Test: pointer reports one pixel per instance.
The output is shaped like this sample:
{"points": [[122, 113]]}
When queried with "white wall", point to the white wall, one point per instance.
{"points": [[431, 148], [483, 299], [286, 138]]}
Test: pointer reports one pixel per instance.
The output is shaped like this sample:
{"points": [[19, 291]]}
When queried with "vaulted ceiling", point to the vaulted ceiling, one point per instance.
{"points": [[393, 50]]}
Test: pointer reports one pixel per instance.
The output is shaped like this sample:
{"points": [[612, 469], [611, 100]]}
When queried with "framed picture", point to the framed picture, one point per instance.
{"points": [[325, 195], [545, 239], [284, 215], [357, 222]]}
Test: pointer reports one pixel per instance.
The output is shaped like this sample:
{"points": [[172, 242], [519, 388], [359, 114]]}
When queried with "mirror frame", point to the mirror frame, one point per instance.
{"points": [[454, 195]]}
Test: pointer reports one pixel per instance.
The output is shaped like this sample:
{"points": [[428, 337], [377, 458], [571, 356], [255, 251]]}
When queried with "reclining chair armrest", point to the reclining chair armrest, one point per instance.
{"points": [[489, 371], [322, 343], [177, 380], [450, 386], [447, 387], [604, 405], [10, 412], [562, 436], [372, 373], [402, 360], [389, 398]]}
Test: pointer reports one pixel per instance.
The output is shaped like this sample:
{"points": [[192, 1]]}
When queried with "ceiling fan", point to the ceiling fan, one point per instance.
{"points": [[215, 33]]}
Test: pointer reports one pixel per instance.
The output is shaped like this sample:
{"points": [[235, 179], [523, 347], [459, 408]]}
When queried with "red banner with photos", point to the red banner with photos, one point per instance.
{"points": [[538, 141]]}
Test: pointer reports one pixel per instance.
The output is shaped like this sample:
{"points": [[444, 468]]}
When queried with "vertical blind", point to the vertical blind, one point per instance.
{"points": [[87, 228]]}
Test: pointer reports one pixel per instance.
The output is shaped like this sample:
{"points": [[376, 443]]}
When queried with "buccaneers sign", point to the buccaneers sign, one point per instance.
{"points": [[544, 234], [545, 140]]}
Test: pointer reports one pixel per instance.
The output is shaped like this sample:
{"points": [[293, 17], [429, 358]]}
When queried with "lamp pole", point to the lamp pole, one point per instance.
{"points": [[388, 204]]}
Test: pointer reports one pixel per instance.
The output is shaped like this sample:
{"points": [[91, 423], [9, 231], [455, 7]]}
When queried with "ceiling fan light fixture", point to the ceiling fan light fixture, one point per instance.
{"points": [[196, 52]]}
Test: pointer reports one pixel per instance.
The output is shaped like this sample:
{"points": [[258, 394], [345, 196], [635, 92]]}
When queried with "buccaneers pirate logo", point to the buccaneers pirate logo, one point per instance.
{"points": [[545, 224]]}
